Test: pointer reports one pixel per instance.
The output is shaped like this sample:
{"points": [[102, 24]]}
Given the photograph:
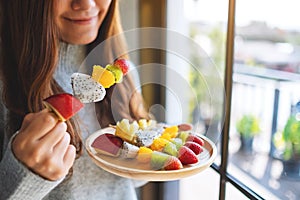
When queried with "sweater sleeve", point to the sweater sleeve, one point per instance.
{"points": [[18, 182]]}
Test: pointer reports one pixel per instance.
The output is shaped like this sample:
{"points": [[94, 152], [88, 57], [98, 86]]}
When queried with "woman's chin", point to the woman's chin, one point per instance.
{"points": [[80, 40]]}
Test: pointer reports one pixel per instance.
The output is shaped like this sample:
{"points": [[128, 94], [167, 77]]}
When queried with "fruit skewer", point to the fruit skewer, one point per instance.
{"points": [[181, 148], [159, 137], [92, 88], [112, 145], [86, 89]]}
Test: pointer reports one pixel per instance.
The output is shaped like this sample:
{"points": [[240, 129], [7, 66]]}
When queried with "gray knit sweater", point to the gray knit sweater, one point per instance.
{"points": [[87, 182]]}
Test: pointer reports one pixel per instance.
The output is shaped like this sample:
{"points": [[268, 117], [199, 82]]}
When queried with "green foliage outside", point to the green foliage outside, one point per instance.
{"points": [[289, 139], [217, 39], [248, 126]]}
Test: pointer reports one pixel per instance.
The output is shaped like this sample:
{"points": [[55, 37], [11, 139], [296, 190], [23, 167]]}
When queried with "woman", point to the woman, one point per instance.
{"points": [[42, 44]]}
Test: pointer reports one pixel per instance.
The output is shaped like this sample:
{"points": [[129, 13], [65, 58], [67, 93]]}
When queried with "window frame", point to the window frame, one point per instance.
{"points": [[229, 62]]}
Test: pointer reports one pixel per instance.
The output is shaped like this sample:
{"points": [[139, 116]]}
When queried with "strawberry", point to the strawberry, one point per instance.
{"points": [[195, 138], [123, 64], [195, 147], [108, 144], [187, 156], [64, 105], [172, 163]]}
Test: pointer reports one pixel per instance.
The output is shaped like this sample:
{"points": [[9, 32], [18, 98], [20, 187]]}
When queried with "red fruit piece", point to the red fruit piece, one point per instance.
{"points": [[108, 144], [185, 127], [195, 147], [123, 64], [64, 105], [195, 138], [172, 163], [187, 156]]}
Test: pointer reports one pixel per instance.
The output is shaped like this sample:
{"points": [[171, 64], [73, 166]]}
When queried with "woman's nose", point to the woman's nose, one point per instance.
{"points": [[83, 4]]}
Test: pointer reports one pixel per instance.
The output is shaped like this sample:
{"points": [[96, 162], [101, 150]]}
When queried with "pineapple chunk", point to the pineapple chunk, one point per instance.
{"points": [[126, 130], [143, 124]]}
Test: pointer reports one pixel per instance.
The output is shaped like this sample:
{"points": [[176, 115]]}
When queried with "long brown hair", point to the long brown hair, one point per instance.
{"points": [[29, 47], [27, 65], [30, 44]]}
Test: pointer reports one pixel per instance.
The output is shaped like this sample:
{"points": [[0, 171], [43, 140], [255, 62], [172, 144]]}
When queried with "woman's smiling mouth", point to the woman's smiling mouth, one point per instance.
{"points": [[82, 21]]}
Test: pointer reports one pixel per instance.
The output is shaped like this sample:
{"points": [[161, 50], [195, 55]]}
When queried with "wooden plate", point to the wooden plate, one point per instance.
{"points": [[130, 168]]}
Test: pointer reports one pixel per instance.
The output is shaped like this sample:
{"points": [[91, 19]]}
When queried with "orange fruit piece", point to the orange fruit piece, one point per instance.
{"points": [[166, 136], [103, 76], [158, 144], [172, 131]]}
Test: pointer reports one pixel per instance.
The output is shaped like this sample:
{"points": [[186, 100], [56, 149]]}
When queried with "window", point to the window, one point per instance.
{"points": [[264, 81], [266, 74], [254, 46]]}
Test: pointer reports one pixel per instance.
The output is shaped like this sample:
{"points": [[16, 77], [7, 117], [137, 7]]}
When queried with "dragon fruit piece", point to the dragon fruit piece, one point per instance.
{"points": [[129, 150], [146, 137], [86, 89]]}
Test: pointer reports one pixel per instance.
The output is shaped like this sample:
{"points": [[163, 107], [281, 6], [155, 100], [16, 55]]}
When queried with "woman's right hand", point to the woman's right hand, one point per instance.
{"points": [[43, 145]]}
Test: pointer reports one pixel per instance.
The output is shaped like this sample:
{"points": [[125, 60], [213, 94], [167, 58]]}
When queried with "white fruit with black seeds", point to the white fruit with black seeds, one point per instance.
{"points": [[86, 89], [146, 137], [128, 150]]}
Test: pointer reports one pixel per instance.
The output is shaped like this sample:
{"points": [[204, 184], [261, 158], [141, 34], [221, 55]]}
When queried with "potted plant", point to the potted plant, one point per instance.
{"points": [[248, 126], [287, 143]]}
